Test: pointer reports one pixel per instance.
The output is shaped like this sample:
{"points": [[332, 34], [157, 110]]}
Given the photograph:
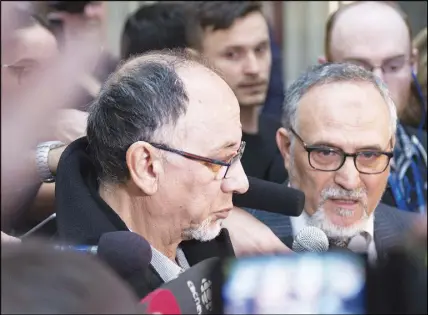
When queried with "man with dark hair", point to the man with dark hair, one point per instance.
{"points": [[146, 164], [157, 26], [37, 279], [234, 36]]}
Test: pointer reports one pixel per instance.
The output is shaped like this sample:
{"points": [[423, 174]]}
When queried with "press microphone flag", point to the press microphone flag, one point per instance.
{"points": [[193, 291]]}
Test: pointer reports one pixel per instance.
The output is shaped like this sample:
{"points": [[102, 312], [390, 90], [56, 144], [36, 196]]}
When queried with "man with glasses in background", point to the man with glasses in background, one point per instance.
{"points": [[146, 164], [337, 140]]}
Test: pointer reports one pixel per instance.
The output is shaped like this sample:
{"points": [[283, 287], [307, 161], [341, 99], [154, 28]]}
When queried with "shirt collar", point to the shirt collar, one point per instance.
{"points": [[167, 269]]}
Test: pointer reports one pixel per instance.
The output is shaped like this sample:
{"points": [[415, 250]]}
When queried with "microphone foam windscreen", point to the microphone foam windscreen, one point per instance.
{"points": [[125, 252], [271, 197], [311, 239]]}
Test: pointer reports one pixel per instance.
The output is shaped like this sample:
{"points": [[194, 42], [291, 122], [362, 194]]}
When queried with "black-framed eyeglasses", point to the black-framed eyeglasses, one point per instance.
{"points": [[328, 159], [216, 166]]}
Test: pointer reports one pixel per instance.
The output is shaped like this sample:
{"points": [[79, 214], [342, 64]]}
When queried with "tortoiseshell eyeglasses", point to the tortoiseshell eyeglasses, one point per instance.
{"points": [[216, 166]]}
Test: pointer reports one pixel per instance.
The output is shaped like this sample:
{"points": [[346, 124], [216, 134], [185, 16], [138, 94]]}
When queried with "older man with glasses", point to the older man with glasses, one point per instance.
{"points": [[337, 141], [161, 159]]}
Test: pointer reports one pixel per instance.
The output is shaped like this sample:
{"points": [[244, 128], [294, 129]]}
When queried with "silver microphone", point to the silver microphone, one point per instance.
{"points": [[310, 239]]}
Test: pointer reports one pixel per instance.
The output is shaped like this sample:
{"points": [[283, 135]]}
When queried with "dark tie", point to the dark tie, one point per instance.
{"points": [[358, 243], [339, 242]]}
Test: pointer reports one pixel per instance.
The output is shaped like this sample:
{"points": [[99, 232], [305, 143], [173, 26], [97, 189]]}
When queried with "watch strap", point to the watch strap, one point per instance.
{"points": [[42, 156]]}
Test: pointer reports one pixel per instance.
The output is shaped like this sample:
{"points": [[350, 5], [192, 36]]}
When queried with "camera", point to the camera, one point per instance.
{"points": [[326, 283]]}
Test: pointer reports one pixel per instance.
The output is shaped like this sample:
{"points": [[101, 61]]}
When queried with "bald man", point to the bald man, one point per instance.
{"points": [[377, 36]]}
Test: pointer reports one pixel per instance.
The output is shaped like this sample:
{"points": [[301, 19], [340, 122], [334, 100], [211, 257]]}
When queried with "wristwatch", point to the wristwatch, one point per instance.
{"points": [[42, 155]]}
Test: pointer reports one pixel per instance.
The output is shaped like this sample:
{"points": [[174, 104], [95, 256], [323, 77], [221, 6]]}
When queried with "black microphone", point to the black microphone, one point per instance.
{"points": [[271, 197], [193, 292], [127, 253], [123, 251]]}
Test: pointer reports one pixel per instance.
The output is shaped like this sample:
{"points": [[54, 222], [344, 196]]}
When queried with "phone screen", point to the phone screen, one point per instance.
{"points": [[309, 283]]}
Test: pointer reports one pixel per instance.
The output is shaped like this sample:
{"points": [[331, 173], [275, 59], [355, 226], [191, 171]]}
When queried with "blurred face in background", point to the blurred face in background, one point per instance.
{"points": [[375, 36], [89, 20], [242, 54], [24, 55]]}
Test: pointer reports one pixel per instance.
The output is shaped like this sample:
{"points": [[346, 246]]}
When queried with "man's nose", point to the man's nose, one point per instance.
{"points": [[348, 176], [251, 64], [236, 180]]}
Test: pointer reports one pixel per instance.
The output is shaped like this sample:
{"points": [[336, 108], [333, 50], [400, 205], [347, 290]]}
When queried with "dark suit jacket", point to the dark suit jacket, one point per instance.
{"points": [[83, 216], [390, 226]]}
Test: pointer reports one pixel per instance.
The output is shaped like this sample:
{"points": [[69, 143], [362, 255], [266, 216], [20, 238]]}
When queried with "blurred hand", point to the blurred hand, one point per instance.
{"points": [[9, 239], [250, 236], [69, 125]]}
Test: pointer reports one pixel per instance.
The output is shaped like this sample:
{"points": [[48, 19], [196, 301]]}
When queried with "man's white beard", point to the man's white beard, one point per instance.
{"points": [[320, 220], [205, 232]]}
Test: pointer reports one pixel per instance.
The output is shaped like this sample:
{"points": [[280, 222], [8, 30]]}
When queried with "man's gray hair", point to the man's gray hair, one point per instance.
{"points": [[328, 73]]}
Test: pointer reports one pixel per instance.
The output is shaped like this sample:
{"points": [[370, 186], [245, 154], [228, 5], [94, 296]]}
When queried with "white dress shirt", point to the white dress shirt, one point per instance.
{"points": [[298, 223], [165, 267]]}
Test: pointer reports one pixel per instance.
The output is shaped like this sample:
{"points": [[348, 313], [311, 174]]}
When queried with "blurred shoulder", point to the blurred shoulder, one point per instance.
{"points": [[394, 215]]}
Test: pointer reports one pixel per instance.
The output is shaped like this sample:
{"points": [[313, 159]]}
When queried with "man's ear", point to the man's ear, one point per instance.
{"points": [[415, 59], [283, 142], [322, 60], [144, 166]]}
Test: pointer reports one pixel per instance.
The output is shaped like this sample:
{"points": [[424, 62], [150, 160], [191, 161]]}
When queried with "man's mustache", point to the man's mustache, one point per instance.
{"points": [[359, 194]]}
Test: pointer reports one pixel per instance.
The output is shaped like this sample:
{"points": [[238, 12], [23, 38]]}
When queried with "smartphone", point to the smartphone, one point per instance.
{"points": [[308, 283]]}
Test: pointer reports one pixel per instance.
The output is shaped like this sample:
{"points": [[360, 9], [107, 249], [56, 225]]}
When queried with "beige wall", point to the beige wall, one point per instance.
{"points": [[303, 34], [117, 13]]}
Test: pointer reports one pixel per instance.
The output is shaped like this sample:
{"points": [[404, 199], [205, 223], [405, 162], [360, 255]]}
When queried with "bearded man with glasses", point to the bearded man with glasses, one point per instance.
{"points": [[337, 141]]}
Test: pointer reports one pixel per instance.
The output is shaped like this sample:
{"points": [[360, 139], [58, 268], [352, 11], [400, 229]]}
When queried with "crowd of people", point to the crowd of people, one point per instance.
{"points": [[158, 141]]}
